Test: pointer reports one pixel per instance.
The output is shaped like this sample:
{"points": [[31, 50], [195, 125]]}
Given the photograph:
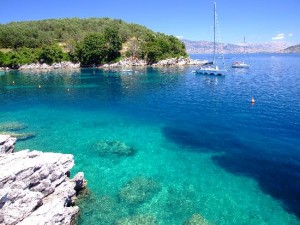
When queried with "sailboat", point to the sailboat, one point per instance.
{"points": [[241, 64], [211, 68]]}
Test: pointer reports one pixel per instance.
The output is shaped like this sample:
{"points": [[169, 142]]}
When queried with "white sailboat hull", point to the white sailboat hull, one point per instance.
{"points": [[212, 68], [214, 72]]}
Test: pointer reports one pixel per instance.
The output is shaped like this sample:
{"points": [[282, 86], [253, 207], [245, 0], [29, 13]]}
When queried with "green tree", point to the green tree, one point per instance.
{"points": [[77, 35], [4, 59], [92, 50], [113, 44], [51, 54], [19, 57]]}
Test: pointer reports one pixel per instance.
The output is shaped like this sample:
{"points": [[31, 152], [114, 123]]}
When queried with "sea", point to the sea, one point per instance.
{"points": [[166, 146]]}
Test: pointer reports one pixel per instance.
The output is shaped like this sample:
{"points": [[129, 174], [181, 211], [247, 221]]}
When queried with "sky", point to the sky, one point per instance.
{"points": [[257, 20]]}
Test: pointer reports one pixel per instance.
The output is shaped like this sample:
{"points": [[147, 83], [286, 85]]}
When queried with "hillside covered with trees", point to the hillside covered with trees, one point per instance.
{"points": [[92, 41]]}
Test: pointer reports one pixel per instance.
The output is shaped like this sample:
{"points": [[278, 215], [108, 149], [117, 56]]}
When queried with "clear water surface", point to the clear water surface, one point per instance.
{"points": [[200, 146]]}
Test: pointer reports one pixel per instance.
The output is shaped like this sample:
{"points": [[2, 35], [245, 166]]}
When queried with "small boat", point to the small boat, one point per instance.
{"points": [[241, 64], [211, 68]]}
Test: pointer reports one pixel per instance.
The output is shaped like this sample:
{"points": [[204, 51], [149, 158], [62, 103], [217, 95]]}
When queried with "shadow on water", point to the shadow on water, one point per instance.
{"points": [[202, 140], [275, 169]]}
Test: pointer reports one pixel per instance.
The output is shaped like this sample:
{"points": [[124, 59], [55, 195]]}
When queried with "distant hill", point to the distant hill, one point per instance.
{"points": [[292, 49], [204, 47]]}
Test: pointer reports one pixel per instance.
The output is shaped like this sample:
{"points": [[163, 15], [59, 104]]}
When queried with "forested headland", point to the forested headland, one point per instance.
{"points": [[91, 42]]}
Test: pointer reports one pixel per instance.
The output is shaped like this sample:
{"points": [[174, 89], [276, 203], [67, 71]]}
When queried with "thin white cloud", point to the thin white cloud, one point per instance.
{"points": [[179, 36], [280, 36], [290, 35]]}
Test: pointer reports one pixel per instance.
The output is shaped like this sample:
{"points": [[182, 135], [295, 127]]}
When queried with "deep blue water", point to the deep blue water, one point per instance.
{"points": [[211, 151]]}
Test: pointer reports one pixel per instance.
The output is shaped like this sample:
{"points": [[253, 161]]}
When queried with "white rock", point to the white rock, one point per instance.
{"points": [[7, 144], [35, 189]]}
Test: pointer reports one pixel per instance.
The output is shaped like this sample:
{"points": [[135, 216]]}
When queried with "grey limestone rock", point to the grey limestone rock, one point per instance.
{"points": [[7, 144], [35, 188]]}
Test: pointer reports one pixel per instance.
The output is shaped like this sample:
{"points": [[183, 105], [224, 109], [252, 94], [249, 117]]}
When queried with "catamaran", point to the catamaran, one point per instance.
{"points": [[211, 68], [241, 64]]}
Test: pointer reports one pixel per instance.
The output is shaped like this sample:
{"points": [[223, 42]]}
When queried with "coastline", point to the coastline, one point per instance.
{"points": [[127, 62], [36, 187]]}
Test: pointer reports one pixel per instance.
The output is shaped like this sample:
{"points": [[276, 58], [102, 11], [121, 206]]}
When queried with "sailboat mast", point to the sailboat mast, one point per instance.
{"points": [[214, 58], [244, 46]]}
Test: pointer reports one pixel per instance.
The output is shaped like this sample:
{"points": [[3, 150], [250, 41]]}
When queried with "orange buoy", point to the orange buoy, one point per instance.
{"points": [[252, 100]]}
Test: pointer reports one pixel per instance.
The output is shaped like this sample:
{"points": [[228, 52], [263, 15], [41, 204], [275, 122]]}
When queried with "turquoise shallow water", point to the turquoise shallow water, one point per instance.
{"points": [[200, 146]]}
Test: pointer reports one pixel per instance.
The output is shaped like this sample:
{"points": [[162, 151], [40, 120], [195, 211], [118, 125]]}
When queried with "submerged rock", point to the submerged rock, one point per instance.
{"points": [[109, 148], [104, 210], [12, 126], [196, 219], [137, 220], [181, 202], [139, 190], [35, 188], [19, 136]]}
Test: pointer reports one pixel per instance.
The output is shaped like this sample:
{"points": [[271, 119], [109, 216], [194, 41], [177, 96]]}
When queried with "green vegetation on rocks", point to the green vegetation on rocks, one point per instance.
{"points": [[93, 41]]}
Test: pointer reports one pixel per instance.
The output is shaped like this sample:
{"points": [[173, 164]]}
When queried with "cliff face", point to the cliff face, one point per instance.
{"points": [[35, 188]]}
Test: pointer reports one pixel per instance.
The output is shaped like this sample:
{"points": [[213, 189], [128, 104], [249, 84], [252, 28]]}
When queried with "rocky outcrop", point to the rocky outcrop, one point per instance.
{"points": [[7, 144], [130, 62], [35, 188], [127, 62], [44, 66], [181, 61], [4, 69]]}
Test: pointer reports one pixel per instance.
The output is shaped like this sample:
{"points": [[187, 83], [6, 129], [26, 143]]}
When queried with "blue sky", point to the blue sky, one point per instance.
{"points": [[257, 20]]}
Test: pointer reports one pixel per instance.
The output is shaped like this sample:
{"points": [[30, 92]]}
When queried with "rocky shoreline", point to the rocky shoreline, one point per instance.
{"points": [[127, 62], [44, 66], [132, 62], [35, 187]]}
